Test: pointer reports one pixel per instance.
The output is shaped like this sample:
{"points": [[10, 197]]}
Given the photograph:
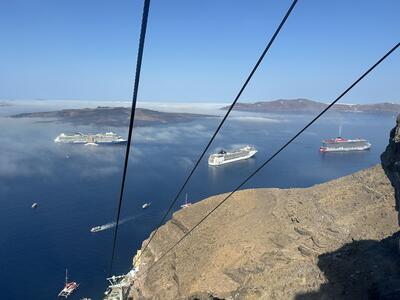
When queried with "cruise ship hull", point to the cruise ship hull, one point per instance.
{"points": [[97, 142], [344, 145], [345, 149], [216, 162], [108, 138]]}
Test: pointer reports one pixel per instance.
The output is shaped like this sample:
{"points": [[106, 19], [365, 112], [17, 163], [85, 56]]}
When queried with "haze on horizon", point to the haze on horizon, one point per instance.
{"points": [[198, 51]]}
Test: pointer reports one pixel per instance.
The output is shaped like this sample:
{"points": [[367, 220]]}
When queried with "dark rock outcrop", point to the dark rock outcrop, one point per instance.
{"points": [[390, 160]]}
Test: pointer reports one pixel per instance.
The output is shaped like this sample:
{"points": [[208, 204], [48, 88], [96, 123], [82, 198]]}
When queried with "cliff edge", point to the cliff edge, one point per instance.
{"points": [[336, 240]]}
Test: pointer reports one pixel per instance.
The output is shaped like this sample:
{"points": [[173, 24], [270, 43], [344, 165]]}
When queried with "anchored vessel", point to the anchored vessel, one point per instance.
{"points": [[146, 205], [341, 144], [69, 287], [186, 204], [224, 157], [90, 139]]}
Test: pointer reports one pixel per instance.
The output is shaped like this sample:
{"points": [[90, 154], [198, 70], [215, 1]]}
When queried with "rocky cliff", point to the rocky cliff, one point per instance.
{"points": [[336, 240], [391, 162]]}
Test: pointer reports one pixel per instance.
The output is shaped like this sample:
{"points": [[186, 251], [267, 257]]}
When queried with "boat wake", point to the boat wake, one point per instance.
{"points": [[112, 224]]}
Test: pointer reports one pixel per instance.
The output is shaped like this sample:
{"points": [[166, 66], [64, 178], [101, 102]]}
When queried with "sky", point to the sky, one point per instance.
{"points": [[198, 51]]}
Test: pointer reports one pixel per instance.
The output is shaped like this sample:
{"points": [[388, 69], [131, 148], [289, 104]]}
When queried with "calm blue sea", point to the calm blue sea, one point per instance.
{"points": [[77, 187]]}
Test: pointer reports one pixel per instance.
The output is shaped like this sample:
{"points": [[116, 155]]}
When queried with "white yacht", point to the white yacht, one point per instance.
{"points": [[224, 157], [186, 204]]}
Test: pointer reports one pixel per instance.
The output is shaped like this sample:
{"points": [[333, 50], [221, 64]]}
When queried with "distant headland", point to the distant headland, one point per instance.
{"points": [[306, 106], [112, 116]]}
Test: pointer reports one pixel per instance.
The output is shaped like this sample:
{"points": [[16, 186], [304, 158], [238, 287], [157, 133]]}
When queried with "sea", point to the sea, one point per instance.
{"points": [[77, 187]]}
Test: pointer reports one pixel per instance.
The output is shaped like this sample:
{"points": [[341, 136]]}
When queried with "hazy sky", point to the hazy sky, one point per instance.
{"points": [[197, 50]]}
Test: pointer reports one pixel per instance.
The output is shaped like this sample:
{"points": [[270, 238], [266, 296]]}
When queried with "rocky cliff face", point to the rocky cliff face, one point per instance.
{"points": [[391, 162], [337, 240]]}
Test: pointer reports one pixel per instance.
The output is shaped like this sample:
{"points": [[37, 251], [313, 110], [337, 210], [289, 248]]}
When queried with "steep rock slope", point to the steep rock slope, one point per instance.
{"points": [[269, 244]]}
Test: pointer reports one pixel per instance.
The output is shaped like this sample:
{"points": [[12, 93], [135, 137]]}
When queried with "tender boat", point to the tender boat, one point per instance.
{"points": [[102, 227], [96, 229], [34, 205], [146, 205]]}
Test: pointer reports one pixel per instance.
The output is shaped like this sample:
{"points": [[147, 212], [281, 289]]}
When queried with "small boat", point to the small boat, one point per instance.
{"points": [[96, 229], [69, 287], [186, 204], [34, 205], [146, 205], [102, 227]]}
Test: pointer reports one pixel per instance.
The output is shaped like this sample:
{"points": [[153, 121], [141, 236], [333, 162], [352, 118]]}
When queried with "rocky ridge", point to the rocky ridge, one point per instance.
{"points": [[310, 106], [112, 116]]}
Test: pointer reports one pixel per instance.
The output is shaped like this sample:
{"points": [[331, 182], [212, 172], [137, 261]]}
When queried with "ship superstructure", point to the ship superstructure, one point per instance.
{"points": [[224, 157], [81, 138], [341, 144]]}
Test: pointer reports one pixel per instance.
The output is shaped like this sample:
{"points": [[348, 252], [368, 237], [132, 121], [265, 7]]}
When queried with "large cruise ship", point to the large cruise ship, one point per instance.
{"points": [[81, 138], [224, 157], [341, 144]]}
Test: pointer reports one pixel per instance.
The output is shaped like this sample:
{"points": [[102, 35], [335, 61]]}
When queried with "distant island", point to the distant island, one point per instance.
{"points": [[308, 106], [112, 116]]}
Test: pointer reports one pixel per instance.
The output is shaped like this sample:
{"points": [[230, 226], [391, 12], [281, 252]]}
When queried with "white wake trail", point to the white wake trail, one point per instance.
{"points": [[113, 224]]}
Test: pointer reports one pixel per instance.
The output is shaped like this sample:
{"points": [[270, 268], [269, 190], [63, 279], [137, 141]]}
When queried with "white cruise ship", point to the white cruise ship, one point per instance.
{"points": [[224, 157], [81, 138]]}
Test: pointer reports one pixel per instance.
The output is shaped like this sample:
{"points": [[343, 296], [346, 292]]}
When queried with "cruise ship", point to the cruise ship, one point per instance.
{"points": [[92, 139], [341, 144], [224, 157]]}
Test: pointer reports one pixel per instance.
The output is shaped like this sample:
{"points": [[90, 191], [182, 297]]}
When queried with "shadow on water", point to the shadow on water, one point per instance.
{"points": [[366, 269]]}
